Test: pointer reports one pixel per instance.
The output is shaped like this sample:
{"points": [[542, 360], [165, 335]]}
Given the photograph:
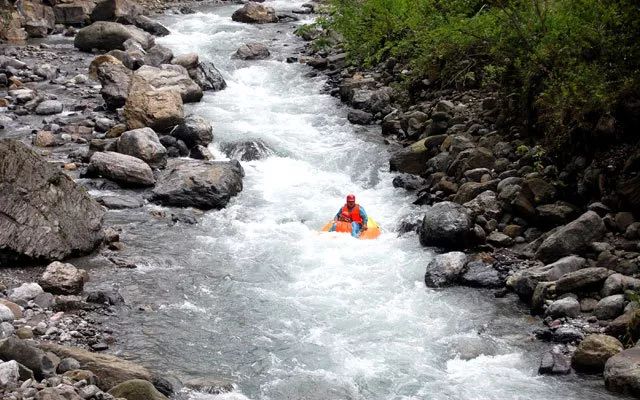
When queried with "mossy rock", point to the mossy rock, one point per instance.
{"points": [[137, 389]]}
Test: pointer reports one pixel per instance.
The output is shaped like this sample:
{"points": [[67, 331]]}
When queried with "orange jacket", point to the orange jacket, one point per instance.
{"points": [[353, 215]]}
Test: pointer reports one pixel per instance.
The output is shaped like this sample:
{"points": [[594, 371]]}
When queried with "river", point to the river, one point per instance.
{"points": [[255, 294]]}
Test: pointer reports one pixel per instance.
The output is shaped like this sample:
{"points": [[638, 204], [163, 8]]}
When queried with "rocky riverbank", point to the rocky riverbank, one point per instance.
{"points": [[504, 215]]}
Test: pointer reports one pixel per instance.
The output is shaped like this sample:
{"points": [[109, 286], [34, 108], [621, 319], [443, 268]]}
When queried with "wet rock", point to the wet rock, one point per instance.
{"points": [[144, 144], [158, 55], [33, 358], [610, 307], [567, 334], [116, 81], [136, 389], [480, 274], [195, 130], [110, 36], [447, 225], [594, 351], [622, 372], [247, 150], [584, 280], [62, 219], [408, 182], [254, 13], [148, 25], [205, 185], [109, 370], [444, 269], [542, 292], [554, 362], [49, 107], [121, 168], [359, 117], [572, 238], [199, 152], [207, 76], [109, 297], [566, 307], [252, 51], [119, 202], [63, 278], [524, 281]]}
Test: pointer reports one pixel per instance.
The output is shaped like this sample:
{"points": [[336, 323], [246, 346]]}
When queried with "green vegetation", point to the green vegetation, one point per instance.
{"points": [[569, 62]]}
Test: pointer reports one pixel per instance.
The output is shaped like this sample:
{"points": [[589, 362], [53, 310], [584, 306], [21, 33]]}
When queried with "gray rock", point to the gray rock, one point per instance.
{"points": [[110, 297], [618, 283], [9, 374], [480, 274], [158, 55], [584, 280], [6, 315], [499, 239], [33, 358], [572, 238], [6, 330], [555, 214], [567, 334], [148, 25], [211, 385], [485, 204], [67, 364], [359, 117], [116, 10], [207, 76], [201, 153], [25, 292], [254, 13], [524, 282], [622, 372], [61, 278], [444, 269], [46, 71], [252, 51], [107, 36], [566, 307], [144, 144], [205, 185], [119, 202], [610, 307], [554, 362], [49, 107], [121, 168], [447, 225], [116, 81], [62, 219], [195, 130]]}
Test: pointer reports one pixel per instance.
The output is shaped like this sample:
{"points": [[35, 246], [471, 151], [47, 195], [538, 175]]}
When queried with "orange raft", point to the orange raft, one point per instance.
{"points": [[372, 232]]}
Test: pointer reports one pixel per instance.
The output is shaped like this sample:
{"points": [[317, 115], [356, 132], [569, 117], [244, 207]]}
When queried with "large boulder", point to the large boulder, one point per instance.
{"points": [[159, 109], [109, 369], [254, 13], [610, 307], [252, 51], [42, 364], [622, 372], [45, 214], [447, 225], [207, 76], [73, 13], [618, 283], [582, 281], [148, 25], [525, 281], [572, 238], [136, 389], [123, 11], [195, 130], [63, 278], [121, 168], [444, 269], [566, 307], [413, 159], [144, 144], [174, 77], [39, 19], [594, 351], [107, 36], [116, 80], [205, 185]]}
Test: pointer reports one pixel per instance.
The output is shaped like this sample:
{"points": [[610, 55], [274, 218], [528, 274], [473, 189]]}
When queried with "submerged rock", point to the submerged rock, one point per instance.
{"points": [[46, 215]]}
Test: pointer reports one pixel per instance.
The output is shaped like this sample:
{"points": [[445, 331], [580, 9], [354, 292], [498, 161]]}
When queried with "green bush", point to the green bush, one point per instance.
{"points": [[568, 61]]}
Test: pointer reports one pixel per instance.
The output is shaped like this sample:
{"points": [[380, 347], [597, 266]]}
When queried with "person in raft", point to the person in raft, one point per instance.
{"points": [[354, 213]]}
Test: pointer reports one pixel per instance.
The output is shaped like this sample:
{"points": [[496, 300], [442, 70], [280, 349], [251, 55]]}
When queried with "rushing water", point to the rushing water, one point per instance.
{"points": [[255, 294]]}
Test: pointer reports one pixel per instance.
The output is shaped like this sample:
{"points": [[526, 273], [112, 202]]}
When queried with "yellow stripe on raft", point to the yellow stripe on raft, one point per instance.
{"points": [[372, 232]]}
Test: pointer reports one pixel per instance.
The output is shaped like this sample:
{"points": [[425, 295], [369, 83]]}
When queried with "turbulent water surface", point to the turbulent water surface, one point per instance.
{"points": [[255, 294]]}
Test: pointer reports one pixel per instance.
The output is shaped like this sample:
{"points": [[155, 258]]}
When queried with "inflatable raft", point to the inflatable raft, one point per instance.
{"points": [[372, 232]]}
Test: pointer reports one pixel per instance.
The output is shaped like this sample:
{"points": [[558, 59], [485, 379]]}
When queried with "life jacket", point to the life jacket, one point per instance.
{"points": [[354, 214]]}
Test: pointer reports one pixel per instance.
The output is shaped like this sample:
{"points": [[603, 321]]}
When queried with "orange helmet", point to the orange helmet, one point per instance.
{"points": [[351, 197]]}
